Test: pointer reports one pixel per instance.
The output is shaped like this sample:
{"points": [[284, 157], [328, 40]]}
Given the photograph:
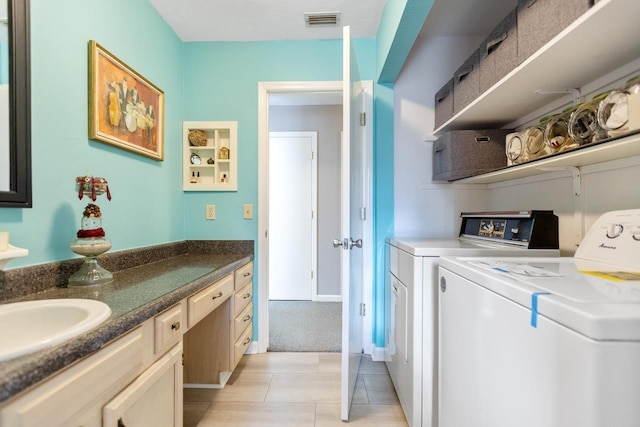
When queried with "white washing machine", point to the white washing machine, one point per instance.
{"points": [[552, 342], [411, 295]]}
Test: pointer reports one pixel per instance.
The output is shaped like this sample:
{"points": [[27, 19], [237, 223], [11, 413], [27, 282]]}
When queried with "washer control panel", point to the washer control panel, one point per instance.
{"points": [[614, 239]]}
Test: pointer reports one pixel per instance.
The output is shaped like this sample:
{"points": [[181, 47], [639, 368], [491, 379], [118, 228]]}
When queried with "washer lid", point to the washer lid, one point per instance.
{"points": [[599, 307], [463, 247]]}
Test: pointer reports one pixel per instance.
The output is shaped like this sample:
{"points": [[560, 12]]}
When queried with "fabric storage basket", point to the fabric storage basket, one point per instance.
{"points": [[444, 104], [499, 52], [541, 20], [463, 153], [466, 83]]}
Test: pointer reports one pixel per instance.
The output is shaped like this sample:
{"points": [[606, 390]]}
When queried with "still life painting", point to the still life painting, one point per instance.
{"points": [[125, 109]]}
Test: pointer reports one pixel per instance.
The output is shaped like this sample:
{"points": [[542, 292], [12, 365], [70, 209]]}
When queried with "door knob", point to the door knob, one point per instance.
{"points": [[356, 243], [337, 243]]}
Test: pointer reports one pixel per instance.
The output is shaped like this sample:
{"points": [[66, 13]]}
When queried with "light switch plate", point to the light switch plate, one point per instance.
{"points": [[247, 211]]}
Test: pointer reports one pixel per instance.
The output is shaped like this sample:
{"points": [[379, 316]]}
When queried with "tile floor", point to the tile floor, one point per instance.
{"points": [[294, 389]]}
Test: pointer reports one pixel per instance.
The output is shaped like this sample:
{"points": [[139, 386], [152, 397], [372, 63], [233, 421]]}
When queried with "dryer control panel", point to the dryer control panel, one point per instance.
{"points": [[531, 229]]}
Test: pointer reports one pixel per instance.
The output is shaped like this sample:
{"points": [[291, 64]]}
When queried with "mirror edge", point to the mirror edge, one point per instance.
{"points": [[20, 109]]}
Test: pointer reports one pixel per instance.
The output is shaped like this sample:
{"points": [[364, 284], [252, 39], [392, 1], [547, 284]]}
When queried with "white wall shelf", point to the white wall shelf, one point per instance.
{"points": [[11, 253], [222, 174], [606, 151], [601, 40]]}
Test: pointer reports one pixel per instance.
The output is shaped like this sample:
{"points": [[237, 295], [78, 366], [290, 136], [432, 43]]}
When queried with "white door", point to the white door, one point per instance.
{"points": [[292, 218], [352, 225]]}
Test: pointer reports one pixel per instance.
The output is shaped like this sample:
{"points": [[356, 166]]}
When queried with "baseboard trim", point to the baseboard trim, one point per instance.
{"points": [[253, 348], [379, 354], [328, 298]]}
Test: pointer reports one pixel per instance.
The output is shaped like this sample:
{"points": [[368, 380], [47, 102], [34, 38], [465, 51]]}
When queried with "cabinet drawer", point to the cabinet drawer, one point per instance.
{"points": [[168, 327], [243, 275], [83, 384], [242, 320], [241, 345], [208, 299], [242, 298]]}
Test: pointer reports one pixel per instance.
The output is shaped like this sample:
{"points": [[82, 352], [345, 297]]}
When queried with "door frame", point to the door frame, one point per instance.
{"points": [[313, 135], [264, 90]]}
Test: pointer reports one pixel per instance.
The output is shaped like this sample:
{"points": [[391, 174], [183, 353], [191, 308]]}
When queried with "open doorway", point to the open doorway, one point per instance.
{"points": [[270, 100], [304, 203]]}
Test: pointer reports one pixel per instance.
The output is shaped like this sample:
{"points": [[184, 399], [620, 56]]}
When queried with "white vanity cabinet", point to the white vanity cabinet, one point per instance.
{"points": [[137, 379], [215, 345], [242, 314], [76, 396]]}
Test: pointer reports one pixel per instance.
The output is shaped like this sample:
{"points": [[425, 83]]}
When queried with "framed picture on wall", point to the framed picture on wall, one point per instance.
{"points": [[125, 109]]}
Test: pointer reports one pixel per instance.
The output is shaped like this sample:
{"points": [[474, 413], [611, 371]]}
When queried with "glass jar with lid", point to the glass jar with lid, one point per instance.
{"points": [[515, 148], [556, 132], [583, 122], [534, 143], [619, 111]]}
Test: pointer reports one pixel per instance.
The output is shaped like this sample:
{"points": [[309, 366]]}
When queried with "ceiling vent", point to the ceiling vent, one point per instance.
{"points": [[322, 19]]}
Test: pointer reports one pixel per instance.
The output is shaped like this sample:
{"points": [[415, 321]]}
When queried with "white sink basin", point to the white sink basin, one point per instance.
{"points": [[29, 326]]}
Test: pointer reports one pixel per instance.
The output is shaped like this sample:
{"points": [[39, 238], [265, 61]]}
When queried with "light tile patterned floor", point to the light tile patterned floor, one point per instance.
{"points": [[294, 389]]}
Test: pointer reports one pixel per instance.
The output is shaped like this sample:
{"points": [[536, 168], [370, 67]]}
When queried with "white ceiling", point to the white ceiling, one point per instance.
{"points": [[255, 20]]}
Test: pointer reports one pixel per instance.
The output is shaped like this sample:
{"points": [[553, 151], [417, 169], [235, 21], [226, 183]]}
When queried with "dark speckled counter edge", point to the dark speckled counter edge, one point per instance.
{"points": [[16, 283], [22, 373]]}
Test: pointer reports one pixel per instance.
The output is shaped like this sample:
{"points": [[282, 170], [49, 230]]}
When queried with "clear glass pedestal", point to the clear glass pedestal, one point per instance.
{"points": [[91, 272]]}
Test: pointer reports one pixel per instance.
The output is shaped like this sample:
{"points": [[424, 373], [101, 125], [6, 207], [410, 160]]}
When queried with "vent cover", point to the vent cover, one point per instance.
{"points": [[322, 19]]}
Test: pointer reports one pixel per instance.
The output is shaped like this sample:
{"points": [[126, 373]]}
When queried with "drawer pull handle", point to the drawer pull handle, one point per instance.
{"points": [[246, 274], [247, 295], [247, 341], [218, 295], [175, 326], [246, 318]]}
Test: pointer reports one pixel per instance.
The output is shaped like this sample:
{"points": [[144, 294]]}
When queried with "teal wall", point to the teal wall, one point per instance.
{"points": [[382, 202], [147, 204], [399, 27], [223, 85]]}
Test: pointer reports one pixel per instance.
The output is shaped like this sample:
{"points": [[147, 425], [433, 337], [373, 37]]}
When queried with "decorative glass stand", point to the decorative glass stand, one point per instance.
{"points": [[90, 273]]}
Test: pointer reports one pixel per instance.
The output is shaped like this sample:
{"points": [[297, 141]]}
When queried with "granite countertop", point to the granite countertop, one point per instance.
{"points": [[135, 295]]}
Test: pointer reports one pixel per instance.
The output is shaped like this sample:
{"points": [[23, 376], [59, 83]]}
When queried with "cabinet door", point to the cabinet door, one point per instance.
{"points": [[153, 399], [399, 317]]}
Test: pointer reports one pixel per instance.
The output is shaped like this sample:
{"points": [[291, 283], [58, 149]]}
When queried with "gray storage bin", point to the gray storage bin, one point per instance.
{"points": [[444, 104], [463, 153], [466, 83], [541, 20], [499, 52]]}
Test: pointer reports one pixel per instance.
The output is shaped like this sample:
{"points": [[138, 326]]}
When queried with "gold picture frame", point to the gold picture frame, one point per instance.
{"points": [[125, 109]]}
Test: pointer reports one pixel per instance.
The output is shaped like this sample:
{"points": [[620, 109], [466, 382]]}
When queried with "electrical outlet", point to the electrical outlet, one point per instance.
{"points": [[248, 211], [211, 212]]}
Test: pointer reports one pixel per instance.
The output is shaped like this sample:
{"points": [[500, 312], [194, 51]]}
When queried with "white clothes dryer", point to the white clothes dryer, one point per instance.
{"points": [[551, 342]]}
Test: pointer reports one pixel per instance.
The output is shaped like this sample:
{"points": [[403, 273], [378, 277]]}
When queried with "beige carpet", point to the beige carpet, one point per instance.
{"points": [[305, 326]]}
